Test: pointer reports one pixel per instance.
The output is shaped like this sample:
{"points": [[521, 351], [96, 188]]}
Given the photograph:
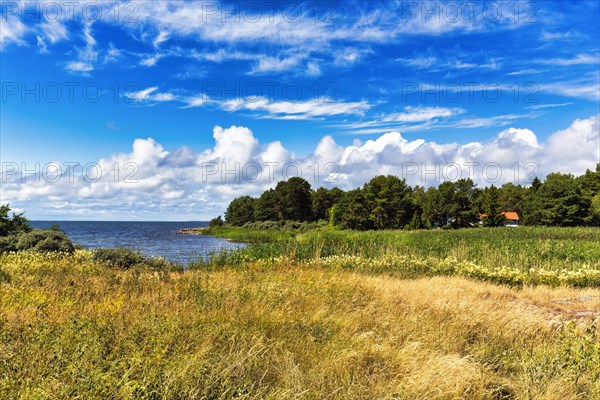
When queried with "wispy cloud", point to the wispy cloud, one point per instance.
{"points": [[151, 60], [12, 31], [420, 119], [150, 94], [86, 55], [196, 101], [589, 90], [528, 71], [570, 34], [493, 121], [275, 64], [542, 106], [455, 59], [298, 110], [421, 114], [579, 59], [79, 67]]}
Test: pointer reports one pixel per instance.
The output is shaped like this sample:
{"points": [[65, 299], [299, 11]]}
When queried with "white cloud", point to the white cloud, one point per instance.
{"points": [[298, 109], [313, 69], [223, 55], [349, 56], [497, 120], [79, 66], [421, 114], [196, 101], [573, 148], [87, 55], [419, 61], [163, 97], [528, 71], [588, 90], [113, 54], [150, 94], [151, 60], [200, 184], [54, 31], [12, 31], [570, 34], [280, 34], [275, 64], [515, 136], [579, 59], [542, 106], [161, 38], [425, 118]]}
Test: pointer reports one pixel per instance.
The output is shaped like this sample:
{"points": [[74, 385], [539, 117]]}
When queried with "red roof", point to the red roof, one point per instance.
{"points": [[507, 214], [510, 215]]}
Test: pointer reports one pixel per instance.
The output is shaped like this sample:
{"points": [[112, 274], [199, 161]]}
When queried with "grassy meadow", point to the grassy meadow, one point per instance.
{"points": [[514, 256], [315, 315]]}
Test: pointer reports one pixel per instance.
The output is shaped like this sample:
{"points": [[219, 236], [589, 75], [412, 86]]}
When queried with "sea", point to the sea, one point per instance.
{"points": [[149, 238]]}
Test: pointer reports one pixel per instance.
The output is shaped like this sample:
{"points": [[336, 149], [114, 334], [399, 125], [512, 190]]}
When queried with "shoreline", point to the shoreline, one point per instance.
{"points": [[190, 231]]}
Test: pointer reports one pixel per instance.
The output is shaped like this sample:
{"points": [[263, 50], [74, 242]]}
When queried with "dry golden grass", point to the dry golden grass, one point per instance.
{"points": [[72, 329]]}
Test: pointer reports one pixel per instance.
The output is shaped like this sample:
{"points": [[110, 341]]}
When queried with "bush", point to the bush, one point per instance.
{"points": [[8, 243], [162, 264], [42, 240], [122, 257], [119, 257]]}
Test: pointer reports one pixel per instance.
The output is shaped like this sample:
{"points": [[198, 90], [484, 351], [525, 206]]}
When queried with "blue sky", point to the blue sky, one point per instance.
{"points": [[82, 81]]}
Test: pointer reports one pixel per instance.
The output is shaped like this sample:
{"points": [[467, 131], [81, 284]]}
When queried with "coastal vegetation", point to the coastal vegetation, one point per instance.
{"points": [[517, 257], [72, 327]]}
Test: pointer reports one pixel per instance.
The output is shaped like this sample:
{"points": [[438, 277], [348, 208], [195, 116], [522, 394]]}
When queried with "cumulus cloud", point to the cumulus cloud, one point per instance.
{"points": [[183, 183]]}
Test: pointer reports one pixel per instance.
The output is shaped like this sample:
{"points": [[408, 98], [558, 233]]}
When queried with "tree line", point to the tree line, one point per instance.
{"points": [[388, 202]]}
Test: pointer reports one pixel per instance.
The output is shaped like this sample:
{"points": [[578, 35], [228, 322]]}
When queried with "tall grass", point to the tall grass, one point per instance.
{"points": [[532, 255], [71, 328]]}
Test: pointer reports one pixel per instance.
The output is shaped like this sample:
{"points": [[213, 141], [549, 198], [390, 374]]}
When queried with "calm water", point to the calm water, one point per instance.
{"points": [[150, 238]]}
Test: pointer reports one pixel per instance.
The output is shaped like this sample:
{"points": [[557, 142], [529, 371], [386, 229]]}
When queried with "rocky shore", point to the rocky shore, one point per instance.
{"points": [[190, 231]]}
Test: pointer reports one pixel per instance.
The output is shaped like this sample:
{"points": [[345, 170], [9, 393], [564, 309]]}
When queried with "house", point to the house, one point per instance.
{"points": [[512, 218]]}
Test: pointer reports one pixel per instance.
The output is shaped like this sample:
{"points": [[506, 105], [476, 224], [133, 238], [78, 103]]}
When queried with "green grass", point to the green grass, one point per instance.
{"points": [[532, 254], [250, 235]]}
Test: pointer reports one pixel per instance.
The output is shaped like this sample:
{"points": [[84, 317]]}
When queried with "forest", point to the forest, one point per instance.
{"points": [[388, 202]]}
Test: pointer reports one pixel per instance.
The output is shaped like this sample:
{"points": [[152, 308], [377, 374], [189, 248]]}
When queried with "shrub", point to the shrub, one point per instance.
{"points": [[162, 264], [8, 243], [44, 241], [119, 257], [124, 258]]}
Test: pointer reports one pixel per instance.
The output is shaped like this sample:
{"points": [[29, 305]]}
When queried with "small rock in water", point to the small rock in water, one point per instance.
{"points": [[190, 231]]}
